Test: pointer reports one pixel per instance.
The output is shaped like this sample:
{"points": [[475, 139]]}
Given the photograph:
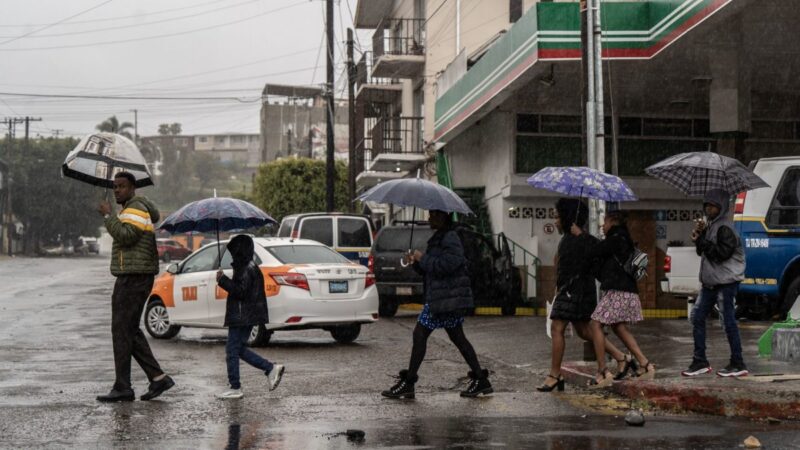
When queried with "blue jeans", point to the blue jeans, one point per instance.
{"points": [[236, 348], [708, 298]]}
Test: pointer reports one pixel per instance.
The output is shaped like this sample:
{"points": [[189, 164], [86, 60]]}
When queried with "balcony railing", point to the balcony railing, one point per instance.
{"points": [[399, 37], [364, 73], [397, 135]]}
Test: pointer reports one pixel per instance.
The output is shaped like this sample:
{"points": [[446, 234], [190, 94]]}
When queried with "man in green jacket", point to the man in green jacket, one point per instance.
{"points": [[134, 262]]}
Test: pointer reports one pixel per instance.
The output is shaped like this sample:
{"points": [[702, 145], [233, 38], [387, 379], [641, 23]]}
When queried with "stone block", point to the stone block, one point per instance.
{"points": [[786, 345]]}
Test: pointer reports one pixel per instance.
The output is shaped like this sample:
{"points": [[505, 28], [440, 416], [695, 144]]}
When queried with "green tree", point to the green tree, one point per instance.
{"points": [[49, 206], [290, 186], [210, 172], [112, 125]]}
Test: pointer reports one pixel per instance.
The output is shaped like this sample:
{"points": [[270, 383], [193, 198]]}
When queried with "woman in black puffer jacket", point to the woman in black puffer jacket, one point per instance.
{"points": [[448, 297]]}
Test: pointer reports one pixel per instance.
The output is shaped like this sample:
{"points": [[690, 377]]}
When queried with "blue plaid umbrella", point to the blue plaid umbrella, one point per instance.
{"points": [[699, 172], [226, 214], [583, 182]]}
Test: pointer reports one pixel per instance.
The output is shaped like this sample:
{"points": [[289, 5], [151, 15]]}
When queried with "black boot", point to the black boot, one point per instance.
{"points": [[478, 384], [404, 388]]}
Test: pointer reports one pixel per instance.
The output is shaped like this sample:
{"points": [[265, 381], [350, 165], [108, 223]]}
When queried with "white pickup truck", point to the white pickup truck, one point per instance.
{"points": [[768, 223]]}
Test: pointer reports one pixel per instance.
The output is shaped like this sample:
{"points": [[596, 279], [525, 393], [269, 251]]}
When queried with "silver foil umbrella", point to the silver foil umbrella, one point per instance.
{"points": [[99, 156]]}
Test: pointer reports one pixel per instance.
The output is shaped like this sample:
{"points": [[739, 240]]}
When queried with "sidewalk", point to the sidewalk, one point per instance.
{"points": [[771, 391]]}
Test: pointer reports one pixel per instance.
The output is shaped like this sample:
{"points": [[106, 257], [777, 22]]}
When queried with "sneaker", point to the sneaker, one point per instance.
{"points": [[275, 376], [697, 368], [478, 385], [733, 370], [157, 388], [231, 394], [404, 388]]}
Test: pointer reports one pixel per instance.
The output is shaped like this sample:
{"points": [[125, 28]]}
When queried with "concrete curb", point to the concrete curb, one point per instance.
{"points": [[731, 398]]}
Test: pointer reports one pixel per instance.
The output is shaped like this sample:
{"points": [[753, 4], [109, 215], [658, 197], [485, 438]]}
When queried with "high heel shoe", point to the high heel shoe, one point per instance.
{"points": [[649, 371], [559, 384], [629, 366], [604, 379]]}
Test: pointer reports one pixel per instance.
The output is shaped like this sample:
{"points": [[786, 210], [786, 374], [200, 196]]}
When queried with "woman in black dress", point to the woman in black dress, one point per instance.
{"points": [[576, 293]]}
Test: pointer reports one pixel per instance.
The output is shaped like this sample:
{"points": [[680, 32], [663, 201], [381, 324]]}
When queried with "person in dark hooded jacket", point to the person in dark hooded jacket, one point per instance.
{"points": [[246, 307], [722, 267], [448, 297]]}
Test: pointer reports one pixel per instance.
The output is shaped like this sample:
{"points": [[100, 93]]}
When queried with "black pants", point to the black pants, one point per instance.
{"points": [[456, 335], [127, 303]]}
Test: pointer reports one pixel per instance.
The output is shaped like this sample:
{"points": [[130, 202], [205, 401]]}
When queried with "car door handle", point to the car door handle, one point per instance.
{"points": [[203, 285]]}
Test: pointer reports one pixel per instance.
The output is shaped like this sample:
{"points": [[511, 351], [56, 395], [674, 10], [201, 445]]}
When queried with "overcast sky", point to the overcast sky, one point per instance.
{"points": [[159, 48]]}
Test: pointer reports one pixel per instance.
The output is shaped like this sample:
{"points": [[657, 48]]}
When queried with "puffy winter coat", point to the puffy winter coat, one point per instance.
{"points": [[247, 302], [609, 255], [134, 249], [444, 269]]}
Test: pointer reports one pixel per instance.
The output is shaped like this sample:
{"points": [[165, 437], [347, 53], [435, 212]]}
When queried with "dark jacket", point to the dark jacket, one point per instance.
{"points": [[608, 257], [444, 270], [576, 295], [722, 256], [247, 301]]}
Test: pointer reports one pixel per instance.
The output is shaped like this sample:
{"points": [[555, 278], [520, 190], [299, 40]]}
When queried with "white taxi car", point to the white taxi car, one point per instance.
{"points": [[308, 285]]}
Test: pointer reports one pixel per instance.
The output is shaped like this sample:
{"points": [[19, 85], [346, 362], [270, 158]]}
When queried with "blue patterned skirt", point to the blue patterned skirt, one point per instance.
{"points": [[432, 322]]}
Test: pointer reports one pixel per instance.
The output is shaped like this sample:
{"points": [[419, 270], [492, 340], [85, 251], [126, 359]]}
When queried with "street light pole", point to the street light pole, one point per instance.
{"points": [[330, 168]]}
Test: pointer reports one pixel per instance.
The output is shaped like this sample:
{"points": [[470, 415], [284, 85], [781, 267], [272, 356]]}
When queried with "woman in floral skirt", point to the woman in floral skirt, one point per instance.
{"points": [[619, 303]]}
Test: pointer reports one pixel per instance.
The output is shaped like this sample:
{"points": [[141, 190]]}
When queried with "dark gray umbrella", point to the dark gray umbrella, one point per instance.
{"points": [[417, 193], [699, 172], [99, 156]]}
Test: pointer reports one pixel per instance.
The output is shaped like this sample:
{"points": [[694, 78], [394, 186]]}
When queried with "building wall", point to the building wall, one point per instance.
{"points": [[300, 129]]}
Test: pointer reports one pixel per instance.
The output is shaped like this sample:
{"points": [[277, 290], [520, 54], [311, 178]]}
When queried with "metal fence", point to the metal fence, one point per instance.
{"points": [[399, 37]]}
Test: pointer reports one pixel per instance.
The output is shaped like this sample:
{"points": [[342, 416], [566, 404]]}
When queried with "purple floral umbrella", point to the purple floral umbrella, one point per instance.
{"points": [[583, 182]]}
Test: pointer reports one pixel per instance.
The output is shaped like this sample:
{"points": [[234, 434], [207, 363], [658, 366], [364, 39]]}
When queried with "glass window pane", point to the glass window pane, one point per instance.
{"points": [[537, 152], [202, 261], [286, 228], [785, 208], [528, 123], [397, 239], [354, 233], [306, 254], [320, 230]]}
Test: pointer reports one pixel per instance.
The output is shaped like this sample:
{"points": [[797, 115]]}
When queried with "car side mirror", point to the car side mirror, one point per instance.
{"points": [[172, 268]]}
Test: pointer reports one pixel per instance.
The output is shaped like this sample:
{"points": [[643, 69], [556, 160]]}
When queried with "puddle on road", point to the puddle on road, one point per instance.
{"points": [[592, 432]]}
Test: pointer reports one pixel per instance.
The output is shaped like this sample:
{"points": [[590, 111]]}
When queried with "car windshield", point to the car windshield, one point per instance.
{"points": [[396, 239], [306, 254]]}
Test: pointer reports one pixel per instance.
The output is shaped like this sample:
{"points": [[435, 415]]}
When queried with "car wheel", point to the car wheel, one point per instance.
{"points": [[387, 306], [259, 336], [156, 321], [345, 334], [167, 257]]}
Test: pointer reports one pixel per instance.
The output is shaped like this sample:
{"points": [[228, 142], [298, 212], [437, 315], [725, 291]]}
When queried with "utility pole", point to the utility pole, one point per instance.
{"points": [[351, 122], [595, 116], [600, 128], [57, 132], [28, 121], [330, 168], [135, 126]]}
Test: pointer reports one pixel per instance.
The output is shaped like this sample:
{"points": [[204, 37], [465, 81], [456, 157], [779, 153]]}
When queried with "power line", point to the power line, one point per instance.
{"points": [[120, 27], [125, 97], [105, 19], [159, 36], [56, 23]]}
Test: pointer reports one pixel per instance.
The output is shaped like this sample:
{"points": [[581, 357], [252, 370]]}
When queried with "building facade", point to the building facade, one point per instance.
{"points": [[680, 76], [294, 124]]}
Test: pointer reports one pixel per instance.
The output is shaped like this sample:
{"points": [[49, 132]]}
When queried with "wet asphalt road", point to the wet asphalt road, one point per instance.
{"points": [[55, 357]]}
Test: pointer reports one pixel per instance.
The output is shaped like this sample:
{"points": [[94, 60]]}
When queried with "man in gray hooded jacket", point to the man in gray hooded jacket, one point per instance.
{"points": [[721, 270]]}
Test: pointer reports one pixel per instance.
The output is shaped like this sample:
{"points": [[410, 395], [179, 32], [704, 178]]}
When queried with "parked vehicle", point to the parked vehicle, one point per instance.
{"points": [[682, 272], [308, 286], [349, 234], [768, 222], [169, 249], [495, 280], [60, 249], [86, 245]]}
